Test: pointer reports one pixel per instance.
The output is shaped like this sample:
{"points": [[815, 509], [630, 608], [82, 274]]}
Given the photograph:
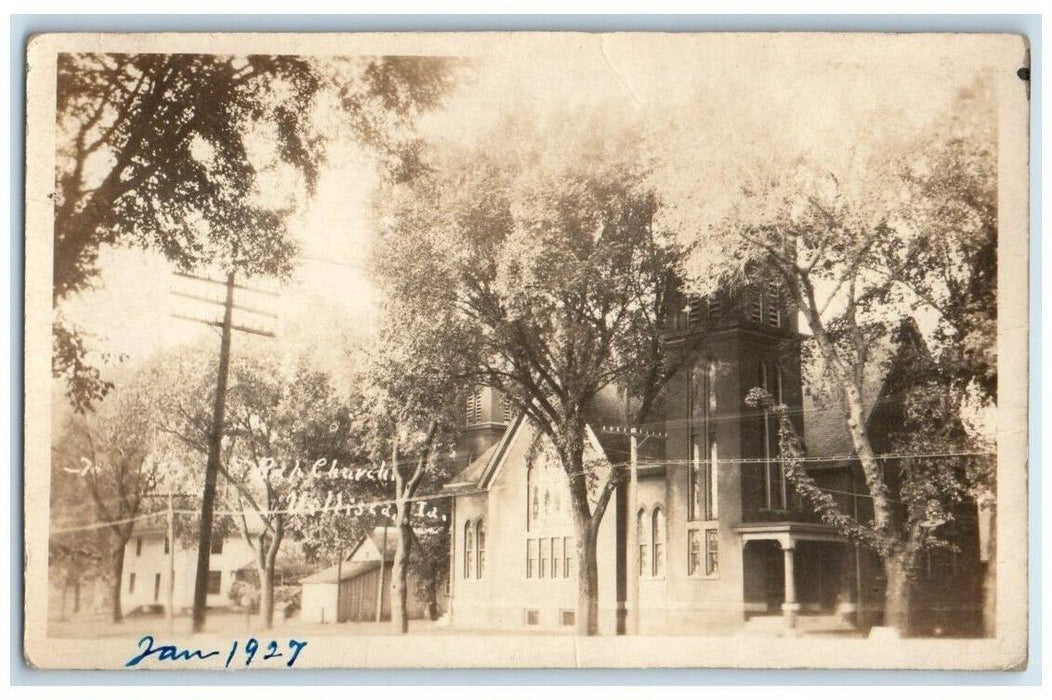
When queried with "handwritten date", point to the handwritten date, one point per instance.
{"points": [[251, 652]]}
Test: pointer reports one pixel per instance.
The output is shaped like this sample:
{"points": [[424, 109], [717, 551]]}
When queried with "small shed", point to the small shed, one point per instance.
{"points": [[359, 585], [347, 592]]}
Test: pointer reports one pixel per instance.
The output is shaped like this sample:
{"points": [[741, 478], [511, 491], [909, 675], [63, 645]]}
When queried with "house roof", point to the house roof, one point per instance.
{"points": [[376, 535], [346, 571], [825, 428]]}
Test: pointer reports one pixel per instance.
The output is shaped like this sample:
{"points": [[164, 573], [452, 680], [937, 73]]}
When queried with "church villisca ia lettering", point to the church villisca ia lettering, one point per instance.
{"points": [[709, 537]]}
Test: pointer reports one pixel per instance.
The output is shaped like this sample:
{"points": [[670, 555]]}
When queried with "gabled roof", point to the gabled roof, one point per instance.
{"points": [[479, 475], [825, 426], [476, 476], [376, 537]]}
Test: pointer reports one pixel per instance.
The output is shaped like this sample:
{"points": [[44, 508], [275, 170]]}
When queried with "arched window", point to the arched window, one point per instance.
{"points": [[469, 549], [480, 538], [644, 544], [658, 533]]}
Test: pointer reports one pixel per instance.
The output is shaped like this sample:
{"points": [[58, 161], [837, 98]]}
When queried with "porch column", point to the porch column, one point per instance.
{"points": [[790, 607]]}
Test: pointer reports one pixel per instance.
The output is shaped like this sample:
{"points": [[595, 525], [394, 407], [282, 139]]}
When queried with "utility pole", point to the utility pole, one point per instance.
{"points": [[339, 582], [632, 617], [215, 435], [380, 584], [215, 440], [171, 559], [628, 531]]}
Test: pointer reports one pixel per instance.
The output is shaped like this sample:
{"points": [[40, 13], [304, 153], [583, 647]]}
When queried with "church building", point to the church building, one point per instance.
{"points": [[710, 537]]}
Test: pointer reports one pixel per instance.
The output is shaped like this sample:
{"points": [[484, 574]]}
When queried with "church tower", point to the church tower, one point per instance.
{"points": [[486, 417]]}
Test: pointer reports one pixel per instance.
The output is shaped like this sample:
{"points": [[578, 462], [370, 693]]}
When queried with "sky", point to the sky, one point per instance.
{"points": [[715, 106]]}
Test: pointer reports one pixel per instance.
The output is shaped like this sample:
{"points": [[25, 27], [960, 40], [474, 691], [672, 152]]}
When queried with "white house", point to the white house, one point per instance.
{"points": [[145, 578]]}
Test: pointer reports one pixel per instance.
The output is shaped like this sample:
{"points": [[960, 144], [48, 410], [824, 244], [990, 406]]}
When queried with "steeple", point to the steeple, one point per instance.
{"points": [[486, 417]]}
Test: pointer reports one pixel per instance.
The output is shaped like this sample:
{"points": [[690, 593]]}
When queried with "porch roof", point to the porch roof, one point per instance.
{"points": [[788, 531]]}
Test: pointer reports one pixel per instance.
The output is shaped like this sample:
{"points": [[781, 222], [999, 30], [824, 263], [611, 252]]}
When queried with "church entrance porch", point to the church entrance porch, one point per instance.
{"points": [[795, 569]]}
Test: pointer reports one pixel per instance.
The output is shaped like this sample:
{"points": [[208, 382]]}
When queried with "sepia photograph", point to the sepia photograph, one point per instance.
{"points": [[526, 350]]}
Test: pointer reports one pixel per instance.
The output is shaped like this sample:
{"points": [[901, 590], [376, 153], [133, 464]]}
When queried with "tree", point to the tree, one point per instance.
{"points": [[408, 418], [275, 422], [430, 562], [114, 452], [856, 253], [951, 180], [535, 256], [192, 155], [287, 431]]}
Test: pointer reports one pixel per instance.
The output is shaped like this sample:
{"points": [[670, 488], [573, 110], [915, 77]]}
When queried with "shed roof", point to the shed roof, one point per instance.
{"points": [[346, 572]]}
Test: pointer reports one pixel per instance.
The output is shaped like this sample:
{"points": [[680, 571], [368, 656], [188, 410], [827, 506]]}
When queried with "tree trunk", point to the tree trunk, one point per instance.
{"points": [[65, 588], [897, 594], [400, 571], [432, 600], [587, 579], [266, 596], [118, 577], [586, 530]]}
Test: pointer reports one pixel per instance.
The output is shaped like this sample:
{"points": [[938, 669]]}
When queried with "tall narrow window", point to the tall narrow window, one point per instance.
{"points": [[711, 482], [696, 308], [217, 543], [480, 536], [694, 481], [531, 558], [138, 546], [712, 501], [765, 437], [131, 583], [715, 307], [556, 556], [773, 306], [780, 488], [167, 544], [156, 586], [699, 393], [694, 396], [469, 549], [567, 556], [644, 545], [473, 407], [215, 582], [693, 552], [756, 309], [712, 553], [542, 568], [659, 542]]}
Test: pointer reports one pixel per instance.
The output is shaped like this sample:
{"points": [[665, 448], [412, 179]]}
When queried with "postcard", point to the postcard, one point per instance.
{"points": [[517, 350]]}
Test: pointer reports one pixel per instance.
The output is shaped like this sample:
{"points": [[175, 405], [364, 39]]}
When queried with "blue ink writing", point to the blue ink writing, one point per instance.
{"points": [[148, 648], [167, 652], [297, 647]]}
